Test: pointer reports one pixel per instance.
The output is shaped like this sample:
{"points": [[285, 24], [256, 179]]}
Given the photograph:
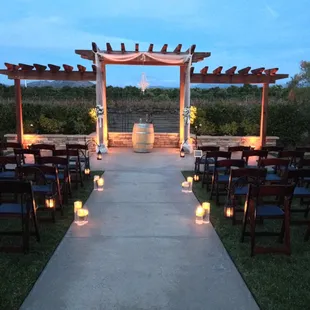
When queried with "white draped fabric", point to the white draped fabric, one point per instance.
{"points": [[144, 57]]}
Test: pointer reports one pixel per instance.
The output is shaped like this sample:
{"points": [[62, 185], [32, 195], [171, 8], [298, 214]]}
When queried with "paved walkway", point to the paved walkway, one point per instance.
{"points": [[141, 249]]}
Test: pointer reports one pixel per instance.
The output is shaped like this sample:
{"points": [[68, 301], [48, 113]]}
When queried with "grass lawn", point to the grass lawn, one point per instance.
{"points": [[19, 272], [278, 282]]}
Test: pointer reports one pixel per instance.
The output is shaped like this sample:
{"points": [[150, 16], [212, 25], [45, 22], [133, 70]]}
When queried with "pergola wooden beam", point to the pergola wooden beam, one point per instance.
{"points": [[236, 78], [204, 70], [150, 50], [109, 48], [137, 47], [123, 49], [81, 68], [231, 71], [218, 70], [244, 71], [26, 67], [258, 71], [11, 67], [67, 68], [177, 50], [53, 68], [40, 68], [164, 49], [271, 71]]}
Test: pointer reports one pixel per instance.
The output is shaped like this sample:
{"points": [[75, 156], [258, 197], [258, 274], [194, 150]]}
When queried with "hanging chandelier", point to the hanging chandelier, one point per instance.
{"points": [[143, 83]]}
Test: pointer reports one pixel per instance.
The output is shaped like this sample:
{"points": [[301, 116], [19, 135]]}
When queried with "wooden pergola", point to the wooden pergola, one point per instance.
{"points": [[22, 71]]}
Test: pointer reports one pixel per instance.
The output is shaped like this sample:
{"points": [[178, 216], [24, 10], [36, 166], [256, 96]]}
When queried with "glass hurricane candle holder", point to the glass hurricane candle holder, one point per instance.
{"points": [[196, 177], [87, 171], [190, 182], [228, 211], [206, 206], [100, 183], [96, 178], [199, 215], [77, 206], [185, 187], [81, 217]]}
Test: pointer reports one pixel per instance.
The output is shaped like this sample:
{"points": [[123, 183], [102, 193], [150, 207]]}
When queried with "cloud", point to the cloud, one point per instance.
{"points": [[272, 12]]}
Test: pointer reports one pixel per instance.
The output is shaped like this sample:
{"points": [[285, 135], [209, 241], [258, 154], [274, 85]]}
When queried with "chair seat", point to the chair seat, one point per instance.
{"points": [[301, 191], [12, 208], [241, 191], [273, 177], [224, 178], [47, 189], [61, 176], [7, 175], [269, 210]]}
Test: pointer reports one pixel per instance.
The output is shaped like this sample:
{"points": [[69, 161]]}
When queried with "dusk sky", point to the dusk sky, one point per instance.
{"points": [[260, 33]]}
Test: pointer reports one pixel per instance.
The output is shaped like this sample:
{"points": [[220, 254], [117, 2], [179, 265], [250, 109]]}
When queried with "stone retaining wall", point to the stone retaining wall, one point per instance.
{"points": [[124, 139]]}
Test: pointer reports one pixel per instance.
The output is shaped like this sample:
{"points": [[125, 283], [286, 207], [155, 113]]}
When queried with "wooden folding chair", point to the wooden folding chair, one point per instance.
{"points": [[21, 156], [17, 202], [62, 164], [239, 181], [202, 160], [256, 207], [209, 164], [221, 175], [238, 149], [43, 147], [83, 154], [294, 156], [5, 171]]}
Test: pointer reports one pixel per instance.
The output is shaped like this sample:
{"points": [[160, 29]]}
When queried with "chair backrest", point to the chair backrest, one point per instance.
{"points": [[11, 145], [254, 153], [272, 148], [296, 176], [294, 156], [218, 154], [20, 154], [63, 152], [304, 163], [279, 191], [239, 148], [248, 172], [7, 160], [229, 163], [77, 146], [54, 160], [208, 148], [43, 146], [277, 162], [31, 173], [303, 149], [15, 187]]}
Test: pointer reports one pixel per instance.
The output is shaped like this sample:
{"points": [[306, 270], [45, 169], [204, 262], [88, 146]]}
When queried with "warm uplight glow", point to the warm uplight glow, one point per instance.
{"points": [[50, 202], [100, 183]]}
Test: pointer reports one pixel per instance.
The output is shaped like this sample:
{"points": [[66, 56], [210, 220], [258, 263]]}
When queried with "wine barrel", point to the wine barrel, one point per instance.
{"points": [[143, 138]]}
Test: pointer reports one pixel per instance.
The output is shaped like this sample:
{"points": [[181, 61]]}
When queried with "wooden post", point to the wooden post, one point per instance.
{"points": [[104, 101], [264, 115], [182, 101], [19, 111]]}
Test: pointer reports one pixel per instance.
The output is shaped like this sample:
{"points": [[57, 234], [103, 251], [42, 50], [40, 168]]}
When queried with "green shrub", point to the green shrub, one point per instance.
{"points": [[229, 129]]}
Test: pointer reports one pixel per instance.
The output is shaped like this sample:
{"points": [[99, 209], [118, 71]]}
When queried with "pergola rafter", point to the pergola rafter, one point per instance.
{"points": [[36, 71]]}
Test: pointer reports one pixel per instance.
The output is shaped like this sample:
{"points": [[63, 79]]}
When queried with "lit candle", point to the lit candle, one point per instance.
{"points": [[87, 171], [82, 212], [100, 183], [196, 177], [190, 182], [206, 206], [229, 211], [189, 179], [96, 178]]}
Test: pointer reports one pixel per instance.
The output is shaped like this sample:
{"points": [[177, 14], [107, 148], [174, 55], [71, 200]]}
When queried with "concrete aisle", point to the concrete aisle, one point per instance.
{"points": [[141, 249]]}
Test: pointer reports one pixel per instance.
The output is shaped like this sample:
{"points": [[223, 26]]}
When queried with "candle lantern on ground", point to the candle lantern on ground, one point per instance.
{"points": [[199, 215], [81, 217], [87, 172], [229, 211], [196, 177], [50, 202], [100, 183], [206, 206], [99, 155]]}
